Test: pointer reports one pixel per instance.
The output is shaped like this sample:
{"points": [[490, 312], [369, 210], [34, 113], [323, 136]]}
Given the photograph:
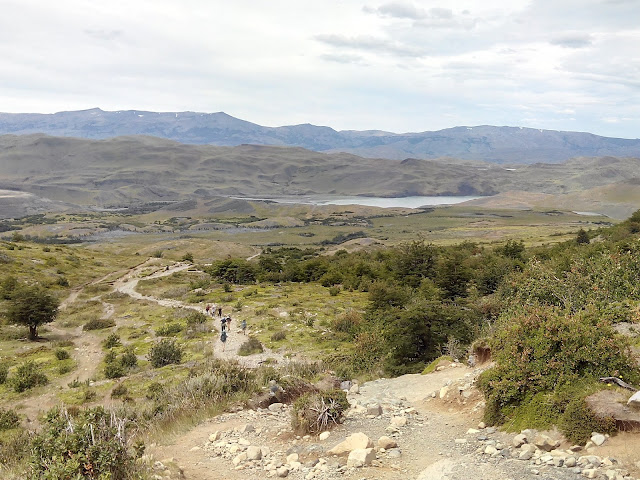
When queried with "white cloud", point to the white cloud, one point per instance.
{"points": [[390, 65]]}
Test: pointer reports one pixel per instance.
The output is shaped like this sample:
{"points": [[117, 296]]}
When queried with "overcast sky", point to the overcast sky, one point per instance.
{"points": [[350, 64]]}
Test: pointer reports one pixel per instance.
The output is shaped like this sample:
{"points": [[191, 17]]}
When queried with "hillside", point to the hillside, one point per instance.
{"points": [[481, 143], [129, 170]]}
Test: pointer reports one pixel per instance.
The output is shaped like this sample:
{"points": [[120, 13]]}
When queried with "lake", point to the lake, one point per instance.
{"points": [[383, 202]]}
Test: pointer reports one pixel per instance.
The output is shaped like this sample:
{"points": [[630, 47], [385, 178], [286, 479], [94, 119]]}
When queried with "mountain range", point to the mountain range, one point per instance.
{"points": [[500, 145]]}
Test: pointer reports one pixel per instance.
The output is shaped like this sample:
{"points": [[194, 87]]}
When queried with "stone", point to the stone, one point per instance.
{"points": [[519, 440], [546, 443], [323, 436], [276, 407], [244, 442], [590, 472], [387, 442], [361, 457], [238, 459], [491, 450], [570, 462], [634, 401], [247, 427], [294, 457], [352, 442], [598, 439], [266, 451], [282, 472], [215, 436], [399, 421], [525, 455], [354, 389], [473, 431], [374, 409], [346, 385], [443, 392], [528, 447], [394, 453], [482, 425], [254, 453]]}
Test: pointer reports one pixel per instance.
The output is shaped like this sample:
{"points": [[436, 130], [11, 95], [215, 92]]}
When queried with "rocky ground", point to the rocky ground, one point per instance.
{"points": [[422, 427]]}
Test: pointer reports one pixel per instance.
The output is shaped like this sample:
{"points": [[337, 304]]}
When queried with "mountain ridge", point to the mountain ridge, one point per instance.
{"points": [[501, 145]]}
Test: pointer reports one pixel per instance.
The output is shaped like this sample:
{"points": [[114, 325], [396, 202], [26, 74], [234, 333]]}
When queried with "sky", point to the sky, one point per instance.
{"points": [[399, 66]]}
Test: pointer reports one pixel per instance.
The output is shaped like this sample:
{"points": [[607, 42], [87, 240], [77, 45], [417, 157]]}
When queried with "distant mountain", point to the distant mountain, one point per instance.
{"points": [[502, 145]]}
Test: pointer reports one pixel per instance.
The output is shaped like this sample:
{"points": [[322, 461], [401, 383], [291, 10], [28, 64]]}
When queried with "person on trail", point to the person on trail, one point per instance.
{"points": [[207, 308], [219, 311], [223, 324], [243, 326], [228, 323], [223, 339]]}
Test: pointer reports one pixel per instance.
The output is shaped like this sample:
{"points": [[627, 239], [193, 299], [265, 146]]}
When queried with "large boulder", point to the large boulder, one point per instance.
{"points": [[634, 401], [361, 457], [352, 442]]}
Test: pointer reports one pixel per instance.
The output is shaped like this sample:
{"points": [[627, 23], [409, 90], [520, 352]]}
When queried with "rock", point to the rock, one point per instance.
{"points": [[354, 389], [276, 407], [294, 457], [482, 425], [528, 447], [346, 385], [598, 439], [361, 457], [266, 451], [374, 409], [525, 455], [215, 436], [519, 440], [247, 427], [444, 391], [590, 472], [352, 442], [254, 453], [399, 421], [387, 442], [394, 453], [491, 450], [238, 459], [323, 436], [282, 472], [570, 462], [244, 442], [473, 431], [546, 443], [634, 401]]}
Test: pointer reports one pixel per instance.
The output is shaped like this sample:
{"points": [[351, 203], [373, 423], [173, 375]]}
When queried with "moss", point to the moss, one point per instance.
{"points": [[436, 363]]}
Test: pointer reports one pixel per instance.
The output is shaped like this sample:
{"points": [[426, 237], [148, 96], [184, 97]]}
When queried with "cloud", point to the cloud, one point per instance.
{"points": [[343, 58], [409, 11], [371, 44], [105, 35], [573, 40]]}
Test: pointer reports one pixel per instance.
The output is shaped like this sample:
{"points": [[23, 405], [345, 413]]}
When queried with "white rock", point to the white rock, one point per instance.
{"points": [[444, 391], [254, 453], [598, 439], [490, 450], [634, 401], [276, 407], [519, 440], [215, 436], [361, 457], [354, 389], [570, 462], [399, 421], [387, 442], [246, 428], [323, 436], [238, 459], [282, 472], [590, 472], [352, 442], [292, 457]]}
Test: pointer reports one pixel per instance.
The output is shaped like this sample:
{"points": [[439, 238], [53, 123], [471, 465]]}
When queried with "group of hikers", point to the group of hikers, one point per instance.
{"points": [[225, 323]]}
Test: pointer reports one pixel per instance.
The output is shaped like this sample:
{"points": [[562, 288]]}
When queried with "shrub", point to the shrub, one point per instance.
{"points": [[314, 413], [113, 340], [113, 370], [91, 445], [157, 254], [164, 353], [4, 372], [279, 335], [65, 368], [196, 318], [154, 391], [27, 376], [8, 419], [349, 323], [251, 346], [119, 390], [169, 329], [129, 358], [578, 422], [187, 257], [99, 324], [62, 354], [227, 287], [334, 291]]}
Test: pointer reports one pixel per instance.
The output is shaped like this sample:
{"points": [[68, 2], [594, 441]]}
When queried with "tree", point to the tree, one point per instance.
{"points": [[582, 237], [32, 306]]}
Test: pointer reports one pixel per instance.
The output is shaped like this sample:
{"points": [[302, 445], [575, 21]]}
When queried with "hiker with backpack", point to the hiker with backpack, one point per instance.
{"points": [[243, 326], [223, 339]]}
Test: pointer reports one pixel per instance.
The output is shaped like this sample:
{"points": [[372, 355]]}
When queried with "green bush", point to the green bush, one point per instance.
{"points": [[314, 413], [113, 370], [250, 347], [119, 391], [164, 353], [578, 422], [348, 322], [62, 354], [334, 291], [91, 445], [8, 419], [170, 329], [154, 391], [196, 318], [27, 376], [129, 358], [113, 340], [4, 372], [65, 368], [99, 324], [279, 335]]}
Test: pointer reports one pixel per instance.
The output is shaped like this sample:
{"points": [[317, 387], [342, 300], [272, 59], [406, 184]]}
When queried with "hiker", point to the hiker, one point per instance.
{"points": [[228, 323], [223, 324], [207, 308], [219, 311], [243, 326], [223, 339]]}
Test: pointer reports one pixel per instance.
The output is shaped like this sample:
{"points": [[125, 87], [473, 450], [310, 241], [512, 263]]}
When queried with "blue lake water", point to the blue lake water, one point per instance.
{"points": [[383, 202]]}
